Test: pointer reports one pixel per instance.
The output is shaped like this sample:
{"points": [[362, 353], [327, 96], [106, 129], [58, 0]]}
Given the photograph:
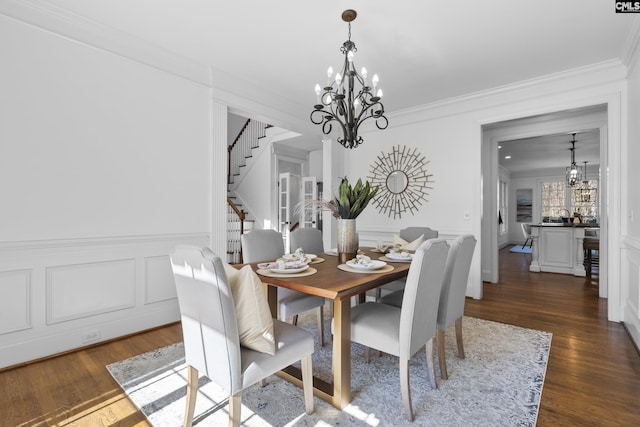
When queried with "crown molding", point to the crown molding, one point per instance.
{"points": [[602, 73]]}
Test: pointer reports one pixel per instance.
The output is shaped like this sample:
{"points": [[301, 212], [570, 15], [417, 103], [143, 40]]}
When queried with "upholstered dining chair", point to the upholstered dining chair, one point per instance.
{"points": [[526, 232], [210, 327], [412, 233], [262, 245], [408, 234], [309, 239], [402, 331], [452, 297]]}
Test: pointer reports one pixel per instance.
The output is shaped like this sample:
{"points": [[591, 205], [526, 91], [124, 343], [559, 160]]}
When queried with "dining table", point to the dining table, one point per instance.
{"points": [[334, 281]]}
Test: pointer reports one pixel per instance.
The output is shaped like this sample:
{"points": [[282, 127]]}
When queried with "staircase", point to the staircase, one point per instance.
{"points": [[238, 153]]}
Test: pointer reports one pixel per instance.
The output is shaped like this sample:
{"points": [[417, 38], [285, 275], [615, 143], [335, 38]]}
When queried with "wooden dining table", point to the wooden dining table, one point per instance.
{"points": [[340, 286]]}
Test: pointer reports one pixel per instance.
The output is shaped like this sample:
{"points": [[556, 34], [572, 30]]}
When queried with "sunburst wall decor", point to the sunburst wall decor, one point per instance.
{"points": [[403, 179]]}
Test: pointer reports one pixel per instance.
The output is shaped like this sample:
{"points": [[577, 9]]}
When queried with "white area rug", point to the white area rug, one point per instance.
{"points": [[521, 249], [499, 383]]}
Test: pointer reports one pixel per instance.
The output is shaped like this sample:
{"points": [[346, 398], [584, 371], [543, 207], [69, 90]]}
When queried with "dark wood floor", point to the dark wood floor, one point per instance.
{"points": [[593, 376]]}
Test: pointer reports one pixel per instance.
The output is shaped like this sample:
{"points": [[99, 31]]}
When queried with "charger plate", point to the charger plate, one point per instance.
{"points": [[268, 273], [387, 259], [387, 268]]}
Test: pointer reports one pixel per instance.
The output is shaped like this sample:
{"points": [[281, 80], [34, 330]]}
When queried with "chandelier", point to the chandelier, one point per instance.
{"points": [[585, 193], [348, 99], [574, 172]]}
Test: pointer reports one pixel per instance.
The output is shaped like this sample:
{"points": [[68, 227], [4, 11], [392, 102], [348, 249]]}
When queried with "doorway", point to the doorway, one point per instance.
{"points": [[531, 130]]}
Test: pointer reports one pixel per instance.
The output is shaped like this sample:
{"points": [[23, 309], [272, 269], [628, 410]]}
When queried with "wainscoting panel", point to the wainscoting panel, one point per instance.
{"points": [[630, 274], [82, 290], [59, 295], [15, 301], [159, 284]]}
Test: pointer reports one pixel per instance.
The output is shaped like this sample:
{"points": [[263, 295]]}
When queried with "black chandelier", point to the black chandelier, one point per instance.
{"points": [[585, 193], [574, 172], [348, 99]]}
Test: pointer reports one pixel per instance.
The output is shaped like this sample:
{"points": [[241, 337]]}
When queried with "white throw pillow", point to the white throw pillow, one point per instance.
{"points": [[255, 324], [410, 246]]}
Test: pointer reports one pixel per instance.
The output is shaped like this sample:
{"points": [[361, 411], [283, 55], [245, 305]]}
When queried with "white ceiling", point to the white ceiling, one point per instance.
{"points": [[423, 51]]}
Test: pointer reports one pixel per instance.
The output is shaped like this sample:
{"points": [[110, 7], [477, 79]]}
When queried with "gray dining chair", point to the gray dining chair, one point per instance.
{"points": [[409, 234], [452, 297], [402, 331], [211, 337], [309, 239], [412, 233], [264, 245]]}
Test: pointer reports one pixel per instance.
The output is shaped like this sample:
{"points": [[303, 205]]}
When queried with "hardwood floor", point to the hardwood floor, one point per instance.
{"points": [[593, 376]]}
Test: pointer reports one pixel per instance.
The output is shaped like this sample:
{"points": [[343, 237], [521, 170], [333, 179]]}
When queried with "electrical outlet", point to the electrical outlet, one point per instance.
{"points": [[91, 337]]}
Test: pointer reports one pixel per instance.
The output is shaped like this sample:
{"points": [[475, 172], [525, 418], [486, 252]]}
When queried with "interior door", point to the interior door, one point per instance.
{"points": [[309, 214], [288, 198]]}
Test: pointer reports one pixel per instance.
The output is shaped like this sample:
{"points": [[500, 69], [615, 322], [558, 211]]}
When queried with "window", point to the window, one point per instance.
{"points": [[559, 200], [586, 202], [502, 206], [553, 203]]}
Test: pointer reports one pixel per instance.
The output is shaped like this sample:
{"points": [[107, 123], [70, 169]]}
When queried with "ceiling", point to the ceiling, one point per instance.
{"points": [[423, 51], [550, 152]]}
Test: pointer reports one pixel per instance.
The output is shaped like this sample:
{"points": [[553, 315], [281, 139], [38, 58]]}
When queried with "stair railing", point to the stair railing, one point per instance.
{"points": [[235, 229], [241, 149]]}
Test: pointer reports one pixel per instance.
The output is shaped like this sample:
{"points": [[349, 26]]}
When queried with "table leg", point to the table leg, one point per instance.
{"points": [[341, 353], [272, 299]]}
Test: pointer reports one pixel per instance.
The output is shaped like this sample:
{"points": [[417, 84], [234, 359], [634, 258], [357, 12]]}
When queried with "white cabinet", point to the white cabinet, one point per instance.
{"points": [[557, 249]]}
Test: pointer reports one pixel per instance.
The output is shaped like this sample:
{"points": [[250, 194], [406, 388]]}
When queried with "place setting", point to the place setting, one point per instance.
{"points": [[393, 253], [364, 264], [290, 265]]}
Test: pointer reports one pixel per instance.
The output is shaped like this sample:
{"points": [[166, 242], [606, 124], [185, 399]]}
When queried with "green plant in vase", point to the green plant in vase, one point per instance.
{"points": [[346, 206]]}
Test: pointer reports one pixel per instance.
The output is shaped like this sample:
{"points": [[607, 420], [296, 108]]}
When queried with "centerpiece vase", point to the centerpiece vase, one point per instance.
{"points": [[347, 240]]}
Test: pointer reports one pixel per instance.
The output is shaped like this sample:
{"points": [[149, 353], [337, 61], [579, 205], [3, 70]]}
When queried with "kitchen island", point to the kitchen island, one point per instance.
{"points": [[558, 248]]}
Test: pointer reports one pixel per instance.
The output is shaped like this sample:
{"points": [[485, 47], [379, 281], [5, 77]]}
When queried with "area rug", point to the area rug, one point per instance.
{"points": [[521, 249], [499, 383]]}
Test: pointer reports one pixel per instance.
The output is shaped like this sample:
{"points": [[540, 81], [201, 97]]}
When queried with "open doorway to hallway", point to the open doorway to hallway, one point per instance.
{"points": [[527, 154]]}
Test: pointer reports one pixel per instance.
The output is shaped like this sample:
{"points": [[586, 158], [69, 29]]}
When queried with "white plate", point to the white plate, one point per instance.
{"points": [[400, 255], [289, 270], [374, 265], [311, 256]]}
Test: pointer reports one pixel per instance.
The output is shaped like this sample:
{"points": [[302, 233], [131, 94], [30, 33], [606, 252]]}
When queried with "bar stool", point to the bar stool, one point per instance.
{"points": [[591, 247]]}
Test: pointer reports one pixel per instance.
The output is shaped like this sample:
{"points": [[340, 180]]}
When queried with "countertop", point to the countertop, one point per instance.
{"points": [[564, 224]]}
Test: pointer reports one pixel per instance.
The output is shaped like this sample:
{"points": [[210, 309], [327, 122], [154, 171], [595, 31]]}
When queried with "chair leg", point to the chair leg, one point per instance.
{"points": [[431, 368], [459, 337], [235, 405], [441, 357], [192, 393], [295, 320], [405, 387], [307, 383], [367, 354], [321, 326]]}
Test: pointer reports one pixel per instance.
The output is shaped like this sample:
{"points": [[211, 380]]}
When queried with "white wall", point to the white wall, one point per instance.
{"points": [[630, 267], [104, 167], [450, 135]]}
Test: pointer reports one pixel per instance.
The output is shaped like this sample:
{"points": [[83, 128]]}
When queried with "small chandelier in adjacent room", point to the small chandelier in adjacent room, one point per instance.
{"points": [[574, 172], [348, 99], [585, 193]]}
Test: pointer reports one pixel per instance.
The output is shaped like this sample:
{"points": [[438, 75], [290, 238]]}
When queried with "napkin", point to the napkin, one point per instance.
{"points": [[409, 246]]}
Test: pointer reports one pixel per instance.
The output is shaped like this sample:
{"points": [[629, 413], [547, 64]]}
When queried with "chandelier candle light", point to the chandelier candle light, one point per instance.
{"points": [[348, 99]]}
